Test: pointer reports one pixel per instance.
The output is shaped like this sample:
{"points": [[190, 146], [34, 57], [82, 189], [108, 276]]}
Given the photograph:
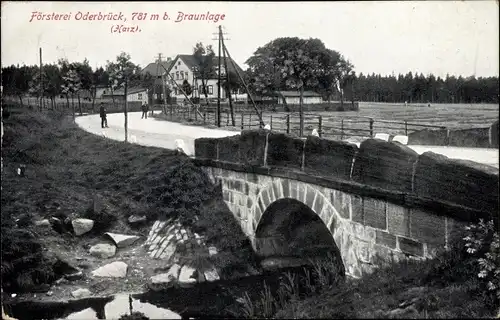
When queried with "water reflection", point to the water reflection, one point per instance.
{"points": [[91, 308], [123, 304]]}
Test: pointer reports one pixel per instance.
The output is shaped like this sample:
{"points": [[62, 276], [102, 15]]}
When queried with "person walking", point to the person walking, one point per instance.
{"points": [[102, 113], [144, 108]]}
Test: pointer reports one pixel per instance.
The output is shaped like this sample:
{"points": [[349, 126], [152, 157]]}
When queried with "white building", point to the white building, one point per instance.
{"points": [[133, 94], [183, 68], [293, 97]]}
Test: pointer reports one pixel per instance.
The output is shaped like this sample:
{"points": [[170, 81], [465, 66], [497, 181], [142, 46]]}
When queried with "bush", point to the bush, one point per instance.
{"points": [[24, 266], [483, 245]]}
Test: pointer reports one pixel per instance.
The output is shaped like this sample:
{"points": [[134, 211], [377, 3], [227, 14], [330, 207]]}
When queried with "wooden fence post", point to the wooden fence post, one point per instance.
{"points": [[342, 129], [242, 120], [371, 127], [406, 128], [288, 124], [320, 125]]}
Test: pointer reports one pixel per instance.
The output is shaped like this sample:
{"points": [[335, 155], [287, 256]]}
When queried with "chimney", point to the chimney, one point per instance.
{"points": [[169, 59]]}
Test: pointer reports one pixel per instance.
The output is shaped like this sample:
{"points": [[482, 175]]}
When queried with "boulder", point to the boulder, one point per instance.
{"points": [[166, 280], [211, 275], [122, 240], [74, 276], [212, 251], [133, 219], [117, 269], [81, 293], [103, 250], [81, 226], [187, 276], [43, 223]]}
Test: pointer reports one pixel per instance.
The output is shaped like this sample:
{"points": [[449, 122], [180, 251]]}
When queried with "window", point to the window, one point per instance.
{"points": [[177, 75], [182, 75], [175, 90], [201, 89], [210, 89], [186, 73], [139, 96], [178, 63], [175, 67]]}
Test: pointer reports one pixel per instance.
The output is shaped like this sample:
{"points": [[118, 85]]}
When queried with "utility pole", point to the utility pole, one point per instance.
{"points": [[219, 80], [228, 86], [220, 36], [41, 82], [162, 84]]}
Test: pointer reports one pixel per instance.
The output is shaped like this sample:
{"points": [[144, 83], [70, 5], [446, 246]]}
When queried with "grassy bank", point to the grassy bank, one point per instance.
{"points": [[456, 284], [71, 173]]}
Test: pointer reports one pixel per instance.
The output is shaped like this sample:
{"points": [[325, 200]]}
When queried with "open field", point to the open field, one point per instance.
{"points": [[392, 118], [371, 118]]}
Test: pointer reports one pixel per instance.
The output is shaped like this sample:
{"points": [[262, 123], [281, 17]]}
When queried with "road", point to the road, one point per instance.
{"points": [[161, 133]]}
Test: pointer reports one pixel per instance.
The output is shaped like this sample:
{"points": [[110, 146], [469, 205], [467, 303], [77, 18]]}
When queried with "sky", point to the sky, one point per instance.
{"points": [[438, 37]]}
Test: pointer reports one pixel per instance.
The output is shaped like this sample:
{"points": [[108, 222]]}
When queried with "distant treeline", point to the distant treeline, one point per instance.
{"points": [[423, 89], [65, 77]]}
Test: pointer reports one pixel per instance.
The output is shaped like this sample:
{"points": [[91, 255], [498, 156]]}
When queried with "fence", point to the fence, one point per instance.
{"points": [[76, 106], [337, 127]]}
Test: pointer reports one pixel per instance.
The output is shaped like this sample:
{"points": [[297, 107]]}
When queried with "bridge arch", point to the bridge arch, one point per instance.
{"points": [[278, 209]]}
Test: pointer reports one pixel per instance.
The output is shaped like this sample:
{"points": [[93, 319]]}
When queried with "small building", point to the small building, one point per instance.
{"points": [[137, 94], [293, 97], [100, 90]]}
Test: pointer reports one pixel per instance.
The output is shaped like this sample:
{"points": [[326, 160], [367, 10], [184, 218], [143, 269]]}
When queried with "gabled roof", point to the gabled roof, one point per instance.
{"points": [[155, 69], [190, 62], [121, 91], [297, 94]]}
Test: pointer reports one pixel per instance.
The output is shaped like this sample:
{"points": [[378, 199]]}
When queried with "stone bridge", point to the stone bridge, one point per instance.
{"points": [[377, 203]]}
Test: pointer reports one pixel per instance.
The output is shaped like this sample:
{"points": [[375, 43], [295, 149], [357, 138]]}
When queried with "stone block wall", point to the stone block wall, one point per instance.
{"points": [[463, 190], [468, 138], [365, 229]]}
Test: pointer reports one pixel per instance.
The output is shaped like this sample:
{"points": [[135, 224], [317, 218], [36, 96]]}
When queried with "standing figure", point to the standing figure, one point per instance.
{"points": [[102, 112], [144, 108]]}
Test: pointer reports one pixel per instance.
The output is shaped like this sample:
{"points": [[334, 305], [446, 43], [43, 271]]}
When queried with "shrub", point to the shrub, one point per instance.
{"points": [[24, 265], [483, 244]]}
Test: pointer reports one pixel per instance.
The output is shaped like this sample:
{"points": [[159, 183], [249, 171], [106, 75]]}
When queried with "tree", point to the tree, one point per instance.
{"points": [[343, 74], [16, 81], [123, 73], [300, 63], [186, 87], [53, 82], [85, 74], [71, 85], [205, 67]]}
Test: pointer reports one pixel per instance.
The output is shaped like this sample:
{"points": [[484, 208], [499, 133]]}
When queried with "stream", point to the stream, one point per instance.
{"points": [[207, 299]]}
